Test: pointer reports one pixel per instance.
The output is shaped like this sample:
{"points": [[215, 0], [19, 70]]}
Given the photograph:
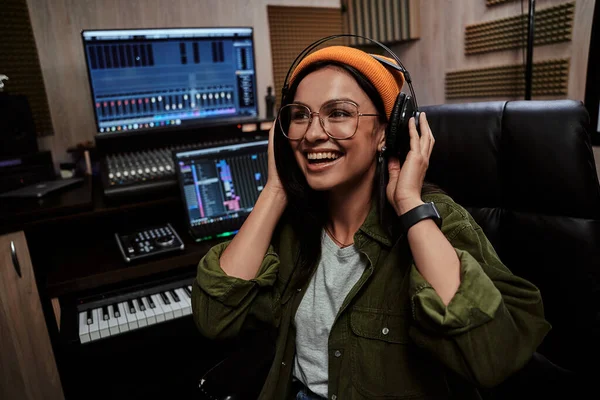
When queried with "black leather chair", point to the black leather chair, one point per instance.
{"points": [[526, 172]]}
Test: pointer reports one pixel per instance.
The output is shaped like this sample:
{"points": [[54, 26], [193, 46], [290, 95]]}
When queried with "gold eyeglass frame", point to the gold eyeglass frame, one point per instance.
{"points": [[321, 122]]}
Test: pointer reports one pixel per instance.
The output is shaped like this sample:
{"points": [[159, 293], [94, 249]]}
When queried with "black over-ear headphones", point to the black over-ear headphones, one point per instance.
{"points": [[397, 140]]}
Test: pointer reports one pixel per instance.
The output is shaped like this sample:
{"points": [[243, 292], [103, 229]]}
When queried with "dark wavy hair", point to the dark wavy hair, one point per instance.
{"points": [[306, 210]]}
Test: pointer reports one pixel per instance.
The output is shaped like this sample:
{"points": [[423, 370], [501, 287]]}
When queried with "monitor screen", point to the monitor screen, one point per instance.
{"points": [[220, 185], [147, 79]]}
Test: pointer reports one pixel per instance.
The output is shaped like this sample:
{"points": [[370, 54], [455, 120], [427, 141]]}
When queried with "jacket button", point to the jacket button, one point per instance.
{"points": [[299, 289], [333, 397], [283, 363], [337, 353], [385, 331]]}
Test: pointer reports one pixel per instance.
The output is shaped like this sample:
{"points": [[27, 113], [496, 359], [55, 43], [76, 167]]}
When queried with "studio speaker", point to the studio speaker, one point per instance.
{"points": [[17, 129]]}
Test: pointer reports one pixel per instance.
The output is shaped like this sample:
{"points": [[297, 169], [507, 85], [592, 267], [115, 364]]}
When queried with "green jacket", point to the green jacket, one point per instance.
{"points": [[393, 338]]}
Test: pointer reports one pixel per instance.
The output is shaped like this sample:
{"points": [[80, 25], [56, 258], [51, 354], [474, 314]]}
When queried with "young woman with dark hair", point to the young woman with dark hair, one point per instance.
{"points": [[365, 305]]}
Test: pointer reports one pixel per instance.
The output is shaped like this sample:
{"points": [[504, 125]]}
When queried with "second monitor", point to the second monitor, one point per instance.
{"points": [[220, 185]]}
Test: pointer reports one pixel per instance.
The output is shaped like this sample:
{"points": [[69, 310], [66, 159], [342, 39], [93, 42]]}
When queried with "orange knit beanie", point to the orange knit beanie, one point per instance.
{"points": [[388, 82]]}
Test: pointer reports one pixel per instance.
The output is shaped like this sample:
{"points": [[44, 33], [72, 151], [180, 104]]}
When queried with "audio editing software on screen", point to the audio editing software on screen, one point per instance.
{"points": [[143, 79], [220, 188]]}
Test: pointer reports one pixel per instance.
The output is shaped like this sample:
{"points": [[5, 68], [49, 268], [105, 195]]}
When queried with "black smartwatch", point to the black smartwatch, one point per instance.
{"points": [[419, 213]]}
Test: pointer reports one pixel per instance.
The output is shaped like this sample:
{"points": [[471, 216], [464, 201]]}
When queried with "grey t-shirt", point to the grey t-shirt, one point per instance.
{"points": [[337, 272]]}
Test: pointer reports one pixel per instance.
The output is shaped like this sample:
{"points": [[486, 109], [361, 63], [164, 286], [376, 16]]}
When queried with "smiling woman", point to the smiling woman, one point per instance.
{"points": [[347, 160], [377, 284]]}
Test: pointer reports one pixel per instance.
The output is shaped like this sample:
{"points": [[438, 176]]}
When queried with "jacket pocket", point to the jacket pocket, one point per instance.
{"points": [[385, 363]]}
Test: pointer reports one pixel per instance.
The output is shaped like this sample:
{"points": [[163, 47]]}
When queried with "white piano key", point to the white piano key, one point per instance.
{"points": [[176, 306], [141, 315], [132, 320], [102, 324], [169, 312], [84, 329], [113, 323], [150, 316], [159, 312], [183, 297], [122, 320], [94, 327]]}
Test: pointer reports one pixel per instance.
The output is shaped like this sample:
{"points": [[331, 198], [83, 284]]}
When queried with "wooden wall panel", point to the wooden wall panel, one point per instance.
{"points": [[294, 28], [440, 48], [387, 21], [57, 25]]}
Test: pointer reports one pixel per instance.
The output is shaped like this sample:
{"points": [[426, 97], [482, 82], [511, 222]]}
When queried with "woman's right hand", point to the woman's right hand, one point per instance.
{"points": [[273, 181], [244, 255]]}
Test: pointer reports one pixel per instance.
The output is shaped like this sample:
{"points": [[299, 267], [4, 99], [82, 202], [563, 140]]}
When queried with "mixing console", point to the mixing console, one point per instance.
{"points": [[146, 171]]}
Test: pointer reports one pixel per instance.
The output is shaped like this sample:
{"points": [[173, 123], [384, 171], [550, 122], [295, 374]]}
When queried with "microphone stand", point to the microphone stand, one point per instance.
{"points": [[529, 61]]}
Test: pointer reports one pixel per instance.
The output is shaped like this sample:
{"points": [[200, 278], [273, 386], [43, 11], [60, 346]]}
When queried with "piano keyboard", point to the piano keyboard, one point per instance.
{"points": [[124, 313]]}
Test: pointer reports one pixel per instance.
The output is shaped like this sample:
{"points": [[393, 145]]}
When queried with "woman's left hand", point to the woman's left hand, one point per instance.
{"points": [[406, 181]]}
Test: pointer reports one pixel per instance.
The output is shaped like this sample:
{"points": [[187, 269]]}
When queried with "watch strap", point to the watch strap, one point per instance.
{"points": [[419, 213]]}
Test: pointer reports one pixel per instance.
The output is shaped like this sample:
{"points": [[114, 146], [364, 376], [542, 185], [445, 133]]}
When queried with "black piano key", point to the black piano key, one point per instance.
{"points": [[164, 298], [188, 291], [131, 306], [105, 315], [175, 296], [90, 317], [141, 304], [150, 302], [116, 311]]}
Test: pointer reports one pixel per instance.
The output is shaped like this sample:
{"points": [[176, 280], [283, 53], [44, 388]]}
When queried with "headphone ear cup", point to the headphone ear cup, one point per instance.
{"points": [[391, 133], [397, 140]]}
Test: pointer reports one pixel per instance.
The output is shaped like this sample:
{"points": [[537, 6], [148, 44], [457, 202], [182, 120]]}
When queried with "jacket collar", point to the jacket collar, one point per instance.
{"points": [[373, 229]]}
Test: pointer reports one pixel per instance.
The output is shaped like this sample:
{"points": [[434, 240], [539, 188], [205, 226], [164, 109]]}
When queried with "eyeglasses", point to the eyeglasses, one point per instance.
{"points": [[339, 119]]}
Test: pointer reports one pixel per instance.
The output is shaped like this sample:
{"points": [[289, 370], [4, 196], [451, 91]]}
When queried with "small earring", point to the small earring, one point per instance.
{"points": [[381, 155]]}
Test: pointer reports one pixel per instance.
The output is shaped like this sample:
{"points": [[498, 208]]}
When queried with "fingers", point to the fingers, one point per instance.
{"points": [[415, 144], [427, 139], [393, 168], [272, 130], [394, 173]]}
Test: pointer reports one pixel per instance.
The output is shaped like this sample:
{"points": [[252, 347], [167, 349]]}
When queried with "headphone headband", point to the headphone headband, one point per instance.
{"points": [[400, 67]]}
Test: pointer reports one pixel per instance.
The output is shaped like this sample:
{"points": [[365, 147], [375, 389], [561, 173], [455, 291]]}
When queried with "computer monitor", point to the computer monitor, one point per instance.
{"points": [[220, 185], [150, 79]]}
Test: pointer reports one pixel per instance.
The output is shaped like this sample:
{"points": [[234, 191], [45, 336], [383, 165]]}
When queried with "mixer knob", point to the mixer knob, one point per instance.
{"points": [[147, 170], [111, 175], [125, 173], [168, 167], [153, 169], [140, 171], [161, 168], [118, 174], [132, 172]]}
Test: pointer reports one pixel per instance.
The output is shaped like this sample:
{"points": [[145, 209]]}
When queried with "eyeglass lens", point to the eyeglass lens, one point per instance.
{"points": [[339, 119]]}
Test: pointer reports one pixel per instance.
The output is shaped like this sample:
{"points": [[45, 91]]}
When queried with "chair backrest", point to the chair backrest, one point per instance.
{"points": [[525, 170]]}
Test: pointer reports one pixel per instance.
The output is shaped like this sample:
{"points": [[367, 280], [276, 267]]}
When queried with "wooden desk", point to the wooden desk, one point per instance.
{"points": [[71, 244], [18, 214]]}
